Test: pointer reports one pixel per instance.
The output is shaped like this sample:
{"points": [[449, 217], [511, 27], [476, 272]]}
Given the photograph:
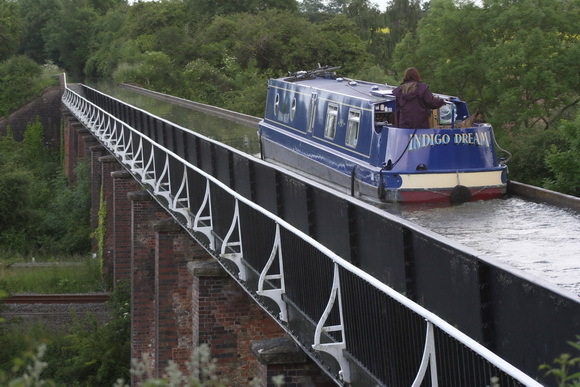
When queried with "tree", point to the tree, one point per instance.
{"points": [[520, 77], [154, 71], [146, 18], [447, 49], [17, 82], [564, 163], [36, 14], [531, 61], [9, 29], [104, 6], [203, 9], [515, 61], [402, 17], [108, 47], [69, 47]]}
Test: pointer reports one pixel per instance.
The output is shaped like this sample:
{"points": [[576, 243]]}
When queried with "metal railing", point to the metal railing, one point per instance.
{"points": [[356, 328]]}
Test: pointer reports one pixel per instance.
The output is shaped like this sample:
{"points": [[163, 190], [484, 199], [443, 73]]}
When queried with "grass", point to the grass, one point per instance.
{"points": [[50, 275]]}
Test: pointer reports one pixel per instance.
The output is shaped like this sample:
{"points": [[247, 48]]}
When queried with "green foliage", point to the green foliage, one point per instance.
{"points": [[35, 14], [80, 276], [146, 18], [527, 74], [567, 367], [563, 162], [155, 71], [18, 77], [65, 227], [528, 163], [15, 199], [19, 348], [197, 84], [9, 29], [21, 79], [91, 354], [69, 47], [204, 9], [94, 354], [107, 46], [32, 375], [36, 152], [513, 74], [39, 211], [249, 92]]}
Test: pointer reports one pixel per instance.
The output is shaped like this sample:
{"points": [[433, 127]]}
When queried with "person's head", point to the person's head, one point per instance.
{"points": [[411, 74]]}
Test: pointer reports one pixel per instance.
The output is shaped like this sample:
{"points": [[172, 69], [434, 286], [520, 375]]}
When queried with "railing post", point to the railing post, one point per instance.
{"points": [[335, 349]]}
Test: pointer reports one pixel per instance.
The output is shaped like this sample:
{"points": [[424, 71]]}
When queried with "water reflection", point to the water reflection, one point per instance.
{"points": [[231, 133]]}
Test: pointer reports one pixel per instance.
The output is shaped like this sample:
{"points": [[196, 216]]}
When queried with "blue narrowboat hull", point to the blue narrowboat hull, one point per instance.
{"points": [[380, 161]]}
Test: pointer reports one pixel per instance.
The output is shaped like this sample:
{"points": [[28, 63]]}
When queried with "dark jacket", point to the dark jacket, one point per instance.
{"points": [[414, 104]]}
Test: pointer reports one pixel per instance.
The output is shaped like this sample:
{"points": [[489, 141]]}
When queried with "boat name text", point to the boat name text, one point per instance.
{"points": [[419, 141]]}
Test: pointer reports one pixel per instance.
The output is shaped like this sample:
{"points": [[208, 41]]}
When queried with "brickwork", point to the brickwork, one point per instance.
{"points": [[96, 180], [174, 248], [123, 183], [69, 151], [229, 320], [145, 212], [46, 108], [87, 141], [281, 357], [84, 140], [108, 164]]}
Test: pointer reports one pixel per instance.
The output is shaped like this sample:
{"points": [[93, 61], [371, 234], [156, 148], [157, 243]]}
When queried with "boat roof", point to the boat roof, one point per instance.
{"points": [[373, 92], [349, 87]]}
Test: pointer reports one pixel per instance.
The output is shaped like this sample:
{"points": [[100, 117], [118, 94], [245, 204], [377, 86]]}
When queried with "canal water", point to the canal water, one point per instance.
{"points": [[539, 239]]}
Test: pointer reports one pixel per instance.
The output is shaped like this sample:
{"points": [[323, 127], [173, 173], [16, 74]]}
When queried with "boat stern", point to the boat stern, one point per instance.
{"points": [[441, 165]]}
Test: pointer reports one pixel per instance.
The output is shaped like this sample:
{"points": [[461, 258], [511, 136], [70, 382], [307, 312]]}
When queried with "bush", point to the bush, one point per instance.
{"points": [[40, 212], [92, 355], [564, 162], [528, 163], [20, 80]]}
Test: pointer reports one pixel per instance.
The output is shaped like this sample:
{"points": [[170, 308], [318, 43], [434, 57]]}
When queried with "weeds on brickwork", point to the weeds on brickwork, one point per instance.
{"points": [[100, 231]]}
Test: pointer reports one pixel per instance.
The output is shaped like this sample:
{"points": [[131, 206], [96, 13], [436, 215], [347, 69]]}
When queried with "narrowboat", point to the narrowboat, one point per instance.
{"points": [[342, 133]]}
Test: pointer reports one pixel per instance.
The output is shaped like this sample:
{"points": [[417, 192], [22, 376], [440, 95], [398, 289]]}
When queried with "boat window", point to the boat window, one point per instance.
{"points": [[352, 128], [312, 113], [277, 104], [331, 119], [293, 109]]}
